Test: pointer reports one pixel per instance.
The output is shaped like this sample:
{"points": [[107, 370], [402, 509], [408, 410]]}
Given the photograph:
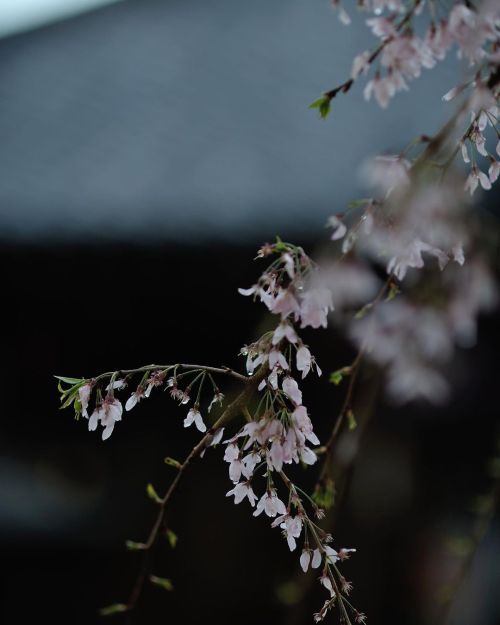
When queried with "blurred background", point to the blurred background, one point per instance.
{"points": [[148, 148]]}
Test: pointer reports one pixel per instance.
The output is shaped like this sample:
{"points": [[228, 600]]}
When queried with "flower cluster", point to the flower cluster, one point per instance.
{"points": [[281, 431], [402, 54], [108, 409]]}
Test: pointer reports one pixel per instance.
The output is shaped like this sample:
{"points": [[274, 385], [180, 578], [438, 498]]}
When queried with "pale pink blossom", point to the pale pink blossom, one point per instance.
{"points": [[276, 359], [288, 261], [378, 6], [457, 252], [275, 457], [412, 257], [494, 170], [250, 461], [232, 455], [242, 490], [383, 89], [272, 380], [338, 227], [452, 93], [387, 172], [108, 413], [344, 16], [316, 559], [292, 528], [360, 64], [291, 390], [304, 360], [134, 399], [284, 304], [308, 456], [476, 177], [305, 559], [327, 583], [382, 27], [118, 385], [331, 556], [271, 504], [194, 416], [84, 397], [217, 437], [284, 330], [218, 398], [303, 423], [465, 154], [314, 308]]}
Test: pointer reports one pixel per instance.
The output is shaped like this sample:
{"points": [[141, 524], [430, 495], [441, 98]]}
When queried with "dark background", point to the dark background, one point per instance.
{"points": [[136, 186], [69, 501]]}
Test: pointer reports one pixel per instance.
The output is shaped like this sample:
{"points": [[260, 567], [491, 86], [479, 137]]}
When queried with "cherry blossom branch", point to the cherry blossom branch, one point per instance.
{"points": [[353, 370], [486, 514], [238, 406], [331, 578], [188, 367], [323, 104]]}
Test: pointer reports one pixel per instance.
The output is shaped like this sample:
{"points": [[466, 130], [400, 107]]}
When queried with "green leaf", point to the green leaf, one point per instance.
{"points": [[69, 380], [324, 493], [358, 203], [279, 246], [337, 376], [115, 608], [152, 494], [172, 538], [162, 582], [173, 463], [362, 311], [351, 420], [323, 106], [69, 399], [133, 546]]}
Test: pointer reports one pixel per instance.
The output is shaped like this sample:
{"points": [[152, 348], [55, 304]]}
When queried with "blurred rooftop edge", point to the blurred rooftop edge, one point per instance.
{"points": [[188, 120]]}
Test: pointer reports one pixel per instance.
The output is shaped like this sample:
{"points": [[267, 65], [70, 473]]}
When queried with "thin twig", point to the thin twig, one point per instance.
{"points": [[236, 407]]}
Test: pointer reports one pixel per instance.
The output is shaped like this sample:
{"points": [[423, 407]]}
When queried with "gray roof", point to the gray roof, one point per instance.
{"points": [[189, 119]]}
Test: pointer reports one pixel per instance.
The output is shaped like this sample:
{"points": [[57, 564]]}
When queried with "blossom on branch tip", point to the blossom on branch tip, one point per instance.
{"points": [[292, 528], [284, 330], [494, 170], [475, 177], [84, 397], [107, 413], [194, 416], [276, 358], [118, 385], [338, 228], [327, 583], [271, 504], [291, 390], [134, 399], [314, 308], [242, 490]]}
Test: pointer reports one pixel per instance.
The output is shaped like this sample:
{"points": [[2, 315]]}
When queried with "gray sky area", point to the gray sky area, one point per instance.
{"points": [[20, 15], [189, 119]]}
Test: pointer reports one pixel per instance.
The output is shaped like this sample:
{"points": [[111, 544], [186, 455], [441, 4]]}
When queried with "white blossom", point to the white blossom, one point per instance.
{"points": [[242, 490], [271, 504], [284, 330], [291, 390], [84, 397], [194, 416]]}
